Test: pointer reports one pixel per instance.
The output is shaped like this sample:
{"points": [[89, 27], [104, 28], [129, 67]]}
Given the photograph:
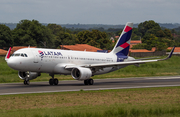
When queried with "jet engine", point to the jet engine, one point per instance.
{"points": [[28, 75], [81, 73]]}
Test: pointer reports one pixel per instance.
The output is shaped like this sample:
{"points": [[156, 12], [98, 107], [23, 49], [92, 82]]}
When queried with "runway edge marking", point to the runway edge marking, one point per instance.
{"points": [[164, 78], [89, 89]]}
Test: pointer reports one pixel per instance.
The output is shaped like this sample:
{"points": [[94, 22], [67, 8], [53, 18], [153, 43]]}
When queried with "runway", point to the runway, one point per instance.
{"points": [[99, 84]]}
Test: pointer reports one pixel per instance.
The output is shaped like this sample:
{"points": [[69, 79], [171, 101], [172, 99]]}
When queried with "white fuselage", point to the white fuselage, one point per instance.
{"points": [[54, 60]]}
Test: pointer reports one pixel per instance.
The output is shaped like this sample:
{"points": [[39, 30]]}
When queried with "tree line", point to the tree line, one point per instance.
{"points": [[33, 33]]}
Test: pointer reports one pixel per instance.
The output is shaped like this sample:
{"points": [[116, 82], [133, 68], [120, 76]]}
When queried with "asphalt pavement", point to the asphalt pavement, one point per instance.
{"points": [[99, 84]]}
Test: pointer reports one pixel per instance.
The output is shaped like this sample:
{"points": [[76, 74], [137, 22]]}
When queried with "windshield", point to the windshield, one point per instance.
{"points": [[20, 54]]}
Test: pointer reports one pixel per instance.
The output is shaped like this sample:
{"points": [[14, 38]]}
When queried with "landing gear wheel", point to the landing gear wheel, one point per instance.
{"points": [[56, 81], [26, 82], [85, 82], [51, 81], [90, 81]]}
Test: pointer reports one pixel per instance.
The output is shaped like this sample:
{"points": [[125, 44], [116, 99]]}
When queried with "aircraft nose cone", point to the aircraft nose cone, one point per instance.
{"points": [[11, 63]]}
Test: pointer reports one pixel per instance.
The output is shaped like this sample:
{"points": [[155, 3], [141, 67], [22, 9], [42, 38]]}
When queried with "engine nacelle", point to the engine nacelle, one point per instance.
{"points": [[28, 75], [81, 73]]}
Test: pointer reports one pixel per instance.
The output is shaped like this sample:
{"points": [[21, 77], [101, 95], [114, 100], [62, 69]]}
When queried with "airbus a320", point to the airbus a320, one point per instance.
{"points": [[81, 65]]}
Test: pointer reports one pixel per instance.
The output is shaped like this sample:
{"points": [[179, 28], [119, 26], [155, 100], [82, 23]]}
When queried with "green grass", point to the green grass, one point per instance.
{"points": [[161, 68], [147, 102]]}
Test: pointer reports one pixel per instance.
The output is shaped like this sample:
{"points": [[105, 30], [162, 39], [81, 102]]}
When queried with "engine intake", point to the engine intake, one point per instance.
{"points": [[28, 75], [81, 73]]}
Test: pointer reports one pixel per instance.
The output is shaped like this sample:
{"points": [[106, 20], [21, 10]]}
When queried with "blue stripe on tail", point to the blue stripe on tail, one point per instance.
{"points": [[126, 37]]}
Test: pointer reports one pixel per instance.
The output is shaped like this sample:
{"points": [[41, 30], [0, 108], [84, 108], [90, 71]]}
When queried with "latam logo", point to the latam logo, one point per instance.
{"points": [[124, 45], [48, 53]]}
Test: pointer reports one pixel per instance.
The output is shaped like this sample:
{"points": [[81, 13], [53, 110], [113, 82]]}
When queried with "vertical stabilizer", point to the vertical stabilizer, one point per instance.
{"points": [[123, 44]]}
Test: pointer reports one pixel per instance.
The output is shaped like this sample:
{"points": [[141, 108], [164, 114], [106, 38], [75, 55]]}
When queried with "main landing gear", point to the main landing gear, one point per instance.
{"points": [[53, 81], [89, 82]]}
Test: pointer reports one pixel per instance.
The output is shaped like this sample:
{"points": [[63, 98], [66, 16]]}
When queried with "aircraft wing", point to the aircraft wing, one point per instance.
{"points": [[110, 64], [134, 62]]}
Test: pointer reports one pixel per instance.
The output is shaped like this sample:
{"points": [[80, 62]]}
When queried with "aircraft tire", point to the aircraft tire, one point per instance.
{"points": [[56, 81], [90, 81], [51, 81], [85, 82], [26, 82]]}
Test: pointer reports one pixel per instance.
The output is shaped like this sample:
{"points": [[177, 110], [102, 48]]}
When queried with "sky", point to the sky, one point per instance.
{"points": [[90, 11]]}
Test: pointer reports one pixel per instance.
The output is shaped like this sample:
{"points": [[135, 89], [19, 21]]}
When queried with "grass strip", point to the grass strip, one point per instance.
{"points": [[107, 103]]}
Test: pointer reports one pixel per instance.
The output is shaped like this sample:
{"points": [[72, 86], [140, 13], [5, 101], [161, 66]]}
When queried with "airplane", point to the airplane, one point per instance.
{"points": [[81, 65]]}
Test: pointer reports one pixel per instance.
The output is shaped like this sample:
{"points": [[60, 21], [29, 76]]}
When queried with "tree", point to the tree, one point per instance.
{"points": [[32, 33], [94, 38], [152, 41], [139, 46], [64, 38], [148, 27], [154, 36], [136, 35], [62, 35], [55, 28], [5, 36], [161, 33], [168, 34]]}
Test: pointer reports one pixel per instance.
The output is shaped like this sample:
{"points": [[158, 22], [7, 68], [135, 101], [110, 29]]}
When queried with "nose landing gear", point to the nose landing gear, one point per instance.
{"points": [[26, 82]]}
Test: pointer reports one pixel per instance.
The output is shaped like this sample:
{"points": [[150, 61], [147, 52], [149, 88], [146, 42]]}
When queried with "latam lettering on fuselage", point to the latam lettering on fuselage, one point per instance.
{"points": [[49, 53], [82, 65]]}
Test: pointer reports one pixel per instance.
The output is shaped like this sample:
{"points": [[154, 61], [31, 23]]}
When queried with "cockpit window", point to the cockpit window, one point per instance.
{"points": [[20, 54], [25, 55], [17, 54]]}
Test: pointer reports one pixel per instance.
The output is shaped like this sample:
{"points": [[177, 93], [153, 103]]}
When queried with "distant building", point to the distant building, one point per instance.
{"points": [[15, 48], [134, 42], [117, 37], [175, 36], [176, 50], [112, 39], [3, 52], [80, 47]]}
